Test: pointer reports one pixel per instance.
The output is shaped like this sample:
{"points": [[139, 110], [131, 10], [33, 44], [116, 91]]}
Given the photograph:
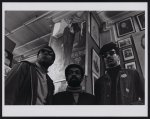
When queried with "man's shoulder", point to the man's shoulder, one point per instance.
{"points": [[22, 65], [60, 93], [25, 63], [87, 94], [123, 70]]}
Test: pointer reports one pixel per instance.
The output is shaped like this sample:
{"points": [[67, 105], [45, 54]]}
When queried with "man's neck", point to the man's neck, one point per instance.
{"points": [[113, 71], [74, 89], [41, 67]]}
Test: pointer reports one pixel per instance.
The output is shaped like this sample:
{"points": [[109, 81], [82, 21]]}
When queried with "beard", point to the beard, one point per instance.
{"points": [[74, 82], [45, 62], [112, 64]]}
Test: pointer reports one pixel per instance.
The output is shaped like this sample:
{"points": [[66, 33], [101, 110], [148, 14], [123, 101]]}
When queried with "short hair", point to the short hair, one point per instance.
{"points": [[72, 66], [48, 48], [108, 47]]}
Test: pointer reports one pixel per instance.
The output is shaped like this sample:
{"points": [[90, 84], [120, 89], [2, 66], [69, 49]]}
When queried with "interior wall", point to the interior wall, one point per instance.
{"points": [[138, 51], [109, 34], [90, 45]]}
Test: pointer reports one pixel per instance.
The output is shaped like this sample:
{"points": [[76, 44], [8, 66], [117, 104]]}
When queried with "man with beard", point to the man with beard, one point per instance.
{"points": [[74, 95], [28, 83], [117, 86]]}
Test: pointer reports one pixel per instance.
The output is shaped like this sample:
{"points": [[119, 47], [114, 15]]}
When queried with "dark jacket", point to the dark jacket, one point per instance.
{"points": [[129, 89], [21, 85], [66, 98]]}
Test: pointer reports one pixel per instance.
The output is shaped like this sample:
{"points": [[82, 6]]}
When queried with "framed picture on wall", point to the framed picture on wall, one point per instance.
{"points": [[141, 21], [125, 27], [95, 63], [94, 78], [128, 54], [124, 42], [130, 65], [94, 29]]}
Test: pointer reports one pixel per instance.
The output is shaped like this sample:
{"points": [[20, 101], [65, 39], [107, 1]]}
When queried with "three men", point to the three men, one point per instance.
{"points": [[74, 95], [28, 83], [117, 86]]}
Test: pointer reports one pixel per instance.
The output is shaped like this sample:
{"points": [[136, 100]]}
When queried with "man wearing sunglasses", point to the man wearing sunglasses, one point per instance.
{"points": [[28, 83], [117, 86]]}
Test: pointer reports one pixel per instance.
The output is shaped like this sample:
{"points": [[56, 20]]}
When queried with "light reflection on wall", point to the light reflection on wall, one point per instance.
{"points": [[60, 86]]}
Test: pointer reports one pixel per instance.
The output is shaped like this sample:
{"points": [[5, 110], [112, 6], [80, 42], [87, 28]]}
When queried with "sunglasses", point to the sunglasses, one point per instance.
{"points": [[111, 53]]}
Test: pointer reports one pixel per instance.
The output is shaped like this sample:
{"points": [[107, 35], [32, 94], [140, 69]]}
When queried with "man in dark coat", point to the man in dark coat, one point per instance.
{"points": [[74, 95], [117, 86], [28, 83]]}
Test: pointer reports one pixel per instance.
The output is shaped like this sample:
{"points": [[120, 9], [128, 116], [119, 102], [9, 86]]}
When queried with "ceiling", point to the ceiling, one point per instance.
{"points": [[31, 30]]}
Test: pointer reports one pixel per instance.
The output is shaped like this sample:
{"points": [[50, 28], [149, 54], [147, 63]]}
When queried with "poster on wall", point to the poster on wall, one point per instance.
{"points": [[69, 48], [124, 42], [94, 30], [125, 27], [94, 78], [95, 63], [130, 65], [139, 41], [141, 20]]}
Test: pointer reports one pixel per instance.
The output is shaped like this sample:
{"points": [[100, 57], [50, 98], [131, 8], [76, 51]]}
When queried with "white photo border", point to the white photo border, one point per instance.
{"points": [[81, 111]]}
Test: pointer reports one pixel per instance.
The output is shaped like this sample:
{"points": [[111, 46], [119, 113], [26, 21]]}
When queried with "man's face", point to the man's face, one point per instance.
{"points": [[46, 57], [111, 59], [74, 77]]}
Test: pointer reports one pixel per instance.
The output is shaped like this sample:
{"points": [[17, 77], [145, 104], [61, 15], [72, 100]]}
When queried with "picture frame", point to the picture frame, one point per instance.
{"points": [[94, 30], [95, 63], [125, 27], [124, 42], [94, 78], [130, 65], [128, 54], [141, 20]]}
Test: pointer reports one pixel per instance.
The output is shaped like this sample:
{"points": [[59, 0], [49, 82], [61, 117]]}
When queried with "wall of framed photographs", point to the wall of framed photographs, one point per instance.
{"points": [[128, 30], [93, 60], [124, 30], [130, 33]]}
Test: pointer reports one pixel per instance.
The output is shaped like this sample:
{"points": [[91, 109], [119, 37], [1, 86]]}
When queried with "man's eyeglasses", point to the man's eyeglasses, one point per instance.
{"points": [[111, 53]]}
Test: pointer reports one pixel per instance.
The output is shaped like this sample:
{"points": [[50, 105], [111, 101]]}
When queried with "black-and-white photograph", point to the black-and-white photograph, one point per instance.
{"points": [[130, 65], [125, 27], [94, 30], [141, 20], [52, 62], [128, 54], [124, 42], [95, 63], [94, 78]]}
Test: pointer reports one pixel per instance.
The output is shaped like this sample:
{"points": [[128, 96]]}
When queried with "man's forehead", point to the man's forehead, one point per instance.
{"points": [[74, 68], [47, 49], [110, 50]]}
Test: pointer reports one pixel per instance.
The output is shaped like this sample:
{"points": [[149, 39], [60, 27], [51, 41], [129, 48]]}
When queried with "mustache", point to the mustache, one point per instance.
{"points": [[74, 77]]}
